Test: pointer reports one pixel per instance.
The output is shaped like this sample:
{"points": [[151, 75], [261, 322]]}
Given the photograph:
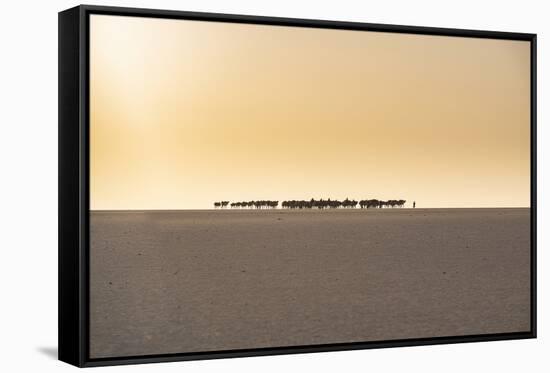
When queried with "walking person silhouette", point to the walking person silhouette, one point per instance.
{"points": [[414, 204]]}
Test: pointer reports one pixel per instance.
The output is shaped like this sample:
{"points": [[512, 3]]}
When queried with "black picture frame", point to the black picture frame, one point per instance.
{"points": [[74, 183]]}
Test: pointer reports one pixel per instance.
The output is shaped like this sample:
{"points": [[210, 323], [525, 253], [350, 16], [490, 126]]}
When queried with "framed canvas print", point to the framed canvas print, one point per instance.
{"points": [[238, 185]]}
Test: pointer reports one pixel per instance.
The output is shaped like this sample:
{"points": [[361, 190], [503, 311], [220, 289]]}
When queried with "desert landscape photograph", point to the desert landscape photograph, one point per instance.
{"points": [[260, 186]]}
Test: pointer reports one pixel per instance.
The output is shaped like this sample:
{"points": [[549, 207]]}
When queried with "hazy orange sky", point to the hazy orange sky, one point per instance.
{"points": [[185, 113]]}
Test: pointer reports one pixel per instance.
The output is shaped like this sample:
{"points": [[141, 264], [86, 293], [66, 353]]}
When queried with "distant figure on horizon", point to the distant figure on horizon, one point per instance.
{"points": [[414, 204]]}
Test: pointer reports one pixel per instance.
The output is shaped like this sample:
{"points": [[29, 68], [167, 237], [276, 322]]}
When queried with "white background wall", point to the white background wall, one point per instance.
{"points": [[28, 182]]}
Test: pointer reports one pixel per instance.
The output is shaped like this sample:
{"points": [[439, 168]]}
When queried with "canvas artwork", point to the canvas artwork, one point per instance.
{"points": [[261, 186]]}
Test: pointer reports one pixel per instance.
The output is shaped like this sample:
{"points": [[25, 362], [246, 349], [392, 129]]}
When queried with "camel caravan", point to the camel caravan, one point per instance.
{"points": [[313, 203]]}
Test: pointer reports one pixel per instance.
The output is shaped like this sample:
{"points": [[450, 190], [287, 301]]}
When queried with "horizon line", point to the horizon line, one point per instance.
{"points": [[312, 209]]}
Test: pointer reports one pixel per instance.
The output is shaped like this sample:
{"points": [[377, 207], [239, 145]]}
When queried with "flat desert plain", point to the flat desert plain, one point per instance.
{"points": [[186, 281]]}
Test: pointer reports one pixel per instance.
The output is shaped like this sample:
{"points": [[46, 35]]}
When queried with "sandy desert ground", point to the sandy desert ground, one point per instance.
{"points": [[184, 281]]}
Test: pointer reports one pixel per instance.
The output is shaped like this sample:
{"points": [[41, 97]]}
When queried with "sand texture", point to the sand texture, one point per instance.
{"points": [[185, 281]]}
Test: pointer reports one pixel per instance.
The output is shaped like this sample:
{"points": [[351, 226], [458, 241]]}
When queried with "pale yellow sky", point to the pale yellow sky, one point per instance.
{"points": [[185, 113]]}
